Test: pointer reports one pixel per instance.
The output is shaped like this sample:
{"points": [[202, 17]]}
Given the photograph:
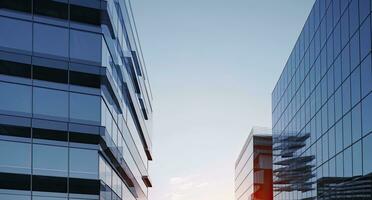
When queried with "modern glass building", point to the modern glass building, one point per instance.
{"points": [[253, 168], [75, 102], [322, 107]]}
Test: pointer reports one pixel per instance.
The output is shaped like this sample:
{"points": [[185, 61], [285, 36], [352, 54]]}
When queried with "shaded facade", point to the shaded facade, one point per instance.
{"points": [[321, 107], [75, 102], [253, 168]]}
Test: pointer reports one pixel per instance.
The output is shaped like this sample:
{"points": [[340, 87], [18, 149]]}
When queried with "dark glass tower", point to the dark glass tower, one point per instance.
{"points": [[322, 107], [253, 168], [75, 102]]}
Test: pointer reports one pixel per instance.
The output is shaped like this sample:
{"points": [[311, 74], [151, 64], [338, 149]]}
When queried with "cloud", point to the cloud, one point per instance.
{"points": [[183, 187]]}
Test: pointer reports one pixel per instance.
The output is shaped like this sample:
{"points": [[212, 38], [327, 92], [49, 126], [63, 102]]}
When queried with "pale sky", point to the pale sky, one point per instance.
{"points": [[212, 65]]}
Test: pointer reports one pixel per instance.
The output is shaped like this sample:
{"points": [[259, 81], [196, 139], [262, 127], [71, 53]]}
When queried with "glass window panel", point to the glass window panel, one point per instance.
{"points": [[356, 123], [346, 96], [355, 87], [14, 197], [50, 74], [337, 39], [367, 114], [364, 9], [338, 104], [50, 40], [354, 51], [365, 38], [51, 8], [339, 136], [366, 76], [16, 34], [85, 14], [50, 160], [19, 5], [48, 198], [338, 72], [85, 107], [367, 149], [48, 102], [344, 28], [85, 79], [354, 17], [83, 163], [345, 59], [332, 140], [85, 46], [20, 159], [15, 97], [15, 69], [340, 165], [357, 158], [348, 164]]}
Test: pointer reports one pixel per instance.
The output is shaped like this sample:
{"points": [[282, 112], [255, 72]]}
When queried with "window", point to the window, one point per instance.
{"points": [[85, 46], [49, 184], [337, 71], [15, 69], [84, 186], [48, 102], [354, 51], [355, 86], [340, 165], [83, 163], [367, 149], [49, 134], [344, 28], [365, 38], [85, 79], [19, 5], [15, 181], [50, 74], [50, 40], [346, 101], [15, 98], [346, 124], [50, 160], [367, 114], [348, 163], [356, 123], [357, 158], [332, 145], [48, 198], [51, 8], [20, 159], [16, 131], [339, 136], [345, 59], [85, 14], [14, 197], [354, 18], [338, 104], [15, 34], [85, 107], [366, 76]]}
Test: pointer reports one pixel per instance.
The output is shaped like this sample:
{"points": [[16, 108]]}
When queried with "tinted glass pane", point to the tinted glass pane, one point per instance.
{"points": [[16, 131], [356, 123], [346, 101], [344, 28], [19, 162], [50, 74], [354, 51], [16, 34], [48, 198], [366, 75], [50, 160], [364, 9], [15, 97], [83, 163], [49, 184], [14, 197], [50, 40], [367, 149], [85, 46], [84, 186], [355, 87], [357, 158], [49, 134], [49, 102], [367, 114], [15, 69], [19, 5], [51, 8], [346, 124], [85, 79], [85, 107], [15, 181], [348, 163], [354, 17], [365, 38], [85, 14], [345, 59]]}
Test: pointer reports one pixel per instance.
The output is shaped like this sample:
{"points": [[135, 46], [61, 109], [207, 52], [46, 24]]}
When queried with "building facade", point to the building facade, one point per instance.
{"points": [[253, 168], [75, 102], [322, 107]]}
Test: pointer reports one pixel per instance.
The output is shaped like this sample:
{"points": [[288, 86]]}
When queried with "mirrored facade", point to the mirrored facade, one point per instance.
{"points": [[75, 102], [253, 168], [321, 107]]}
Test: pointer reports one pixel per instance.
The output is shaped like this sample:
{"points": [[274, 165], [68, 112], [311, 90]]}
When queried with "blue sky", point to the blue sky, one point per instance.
{"points": [[212, 65]]}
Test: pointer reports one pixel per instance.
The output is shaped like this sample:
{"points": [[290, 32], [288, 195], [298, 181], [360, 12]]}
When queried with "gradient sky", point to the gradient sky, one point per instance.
{"points": [[212, 65]]}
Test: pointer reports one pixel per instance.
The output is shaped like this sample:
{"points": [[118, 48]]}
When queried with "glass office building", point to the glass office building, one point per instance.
{"points": [[75, 102], [322, 107], [253, 168]]}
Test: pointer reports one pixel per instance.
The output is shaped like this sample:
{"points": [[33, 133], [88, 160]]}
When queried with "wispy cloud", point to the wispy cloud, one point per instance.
{"points": [[183, 187]]}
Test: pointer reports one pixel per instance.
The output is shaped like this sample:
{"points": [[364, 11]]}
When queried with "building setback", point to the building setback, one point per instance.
{"points": [[322, 107], [253, 168], [75, 102]]}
